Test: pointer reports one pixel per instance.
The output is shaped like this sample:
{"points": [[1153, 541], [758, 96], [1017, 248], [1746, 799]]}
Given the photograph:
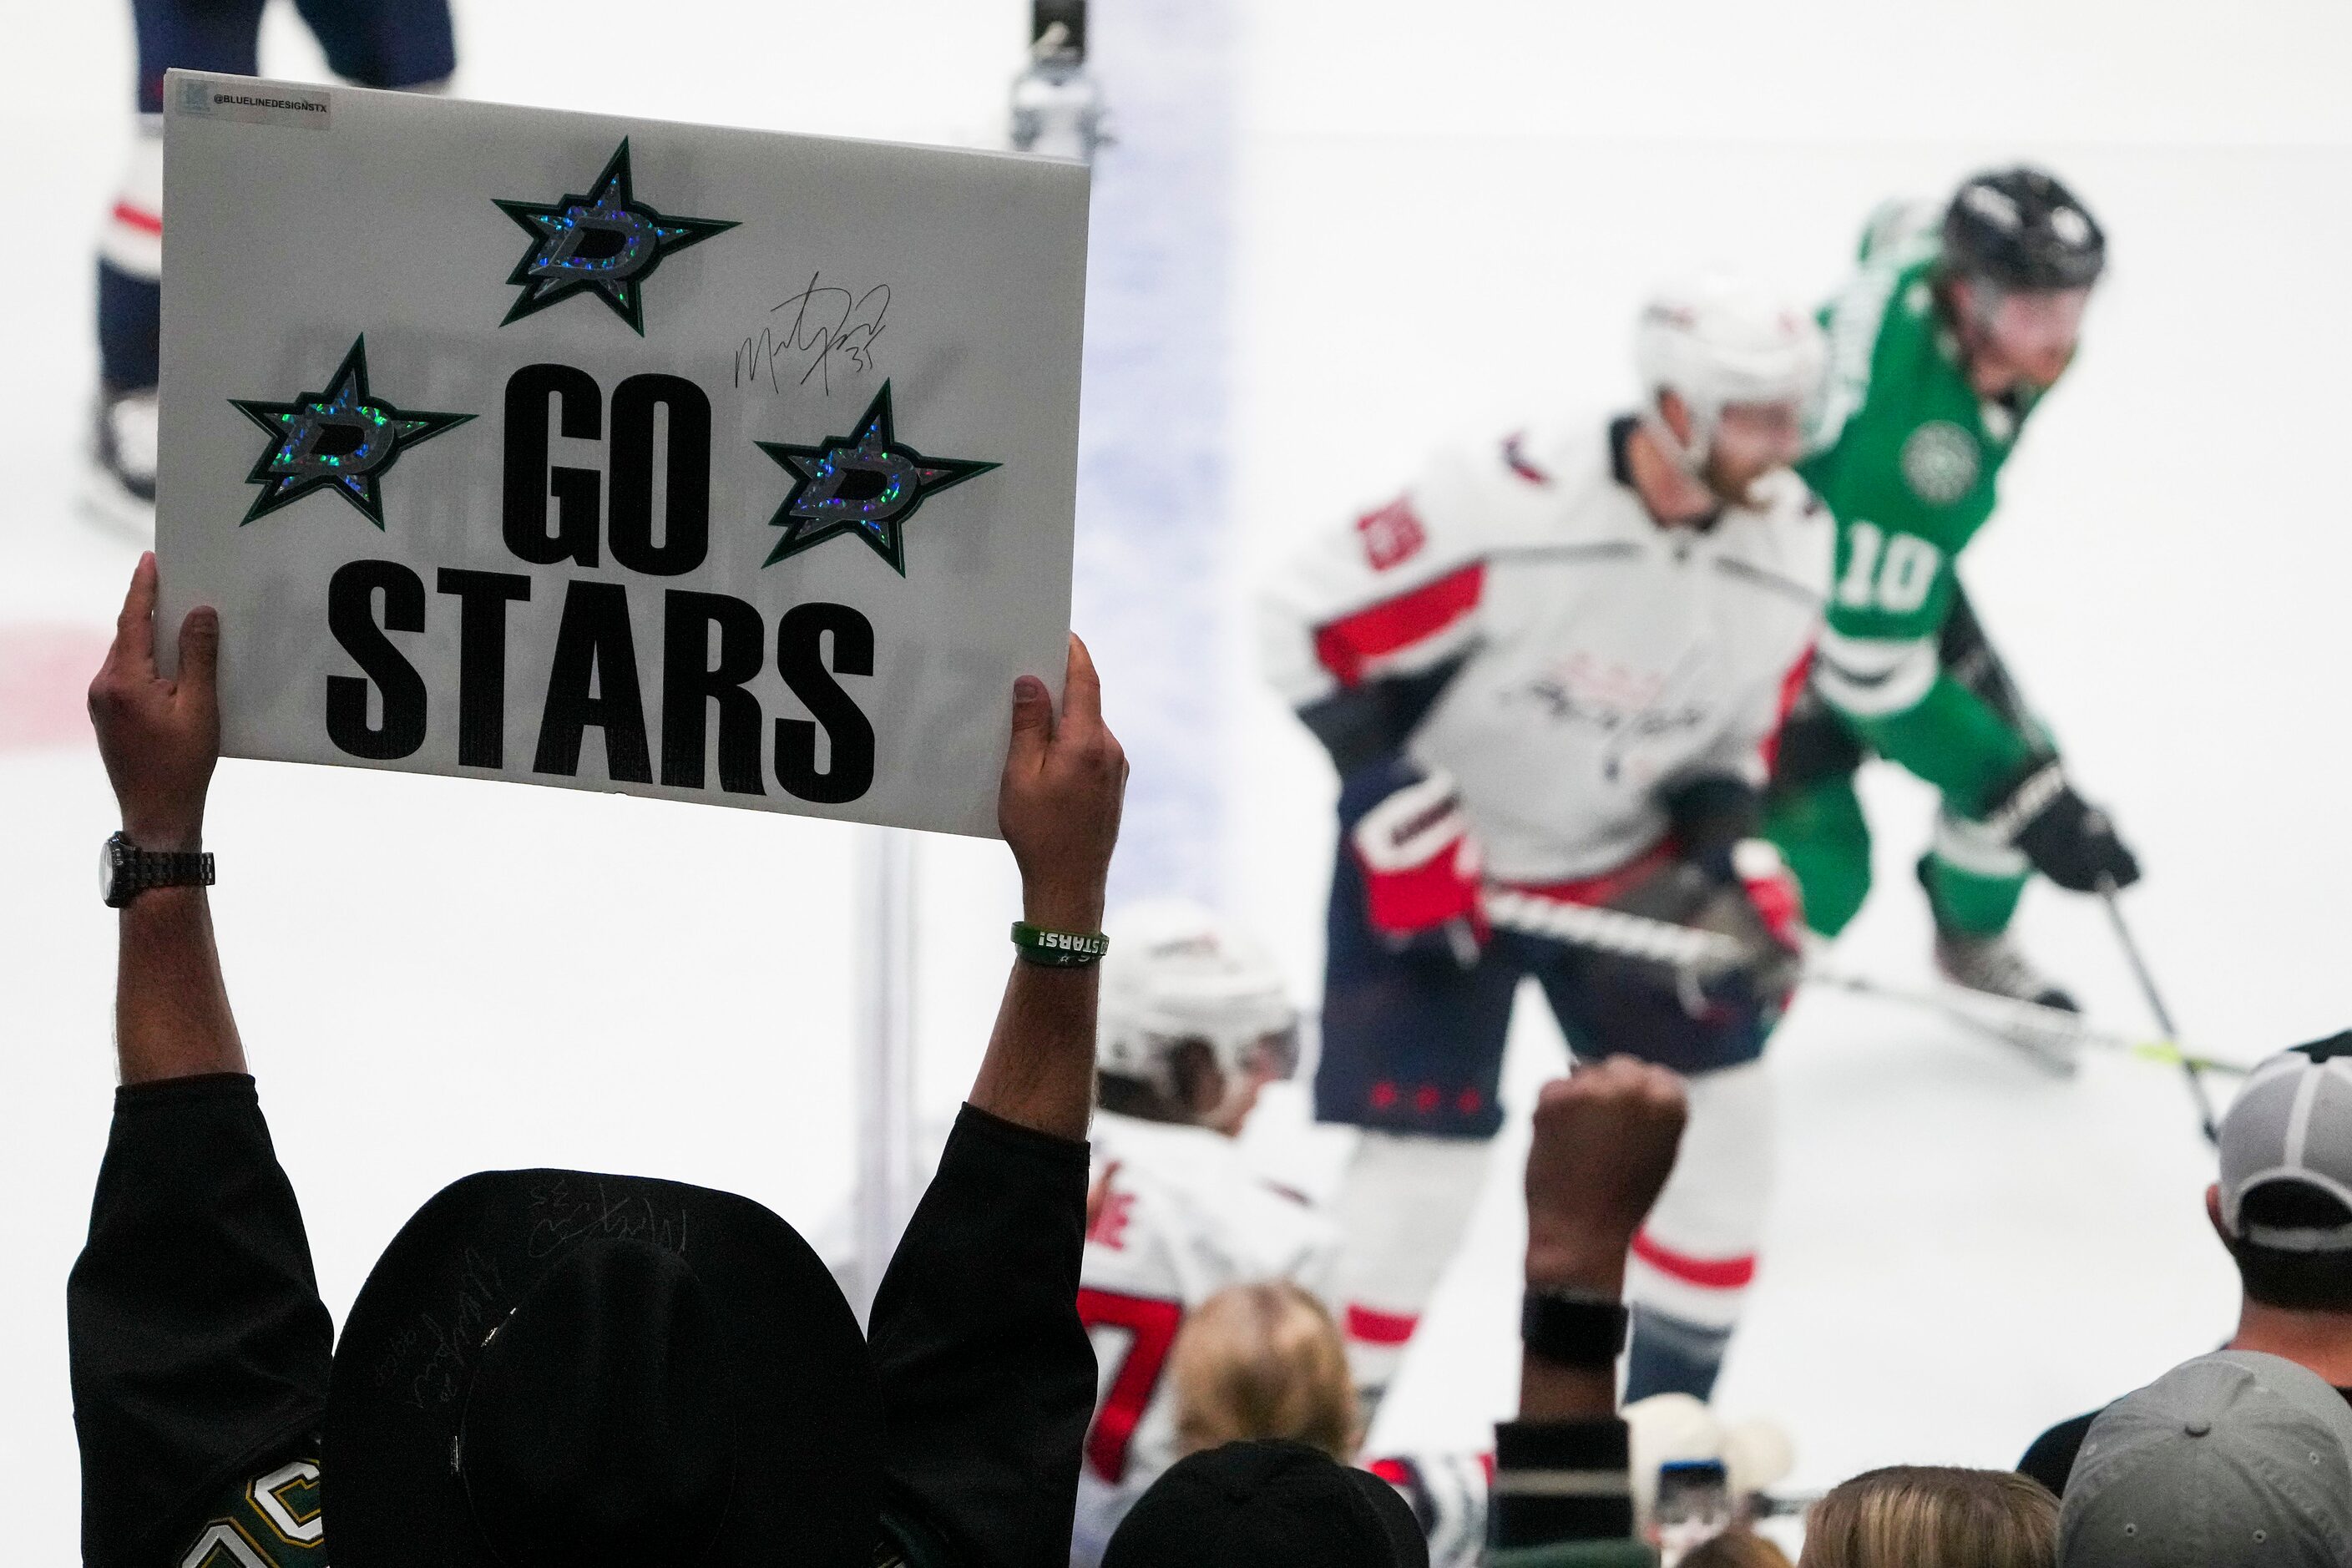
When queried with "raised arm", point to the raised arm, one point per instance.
{"points": [[1058, 809], [1605, 1143], [987, 1374], [160, 740], [199, 1347]]}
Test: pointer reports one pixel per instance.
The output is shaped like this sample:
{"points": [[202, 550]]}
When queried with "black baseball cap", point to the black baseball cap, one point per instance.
{"points": [[1277, 1503], [567, 1369]]}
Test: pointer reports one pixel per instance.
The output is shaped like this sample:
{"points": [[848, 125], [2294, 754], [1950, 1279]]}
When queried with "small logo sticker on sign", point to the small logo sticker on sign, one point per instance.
{"points": [[217, 99]]}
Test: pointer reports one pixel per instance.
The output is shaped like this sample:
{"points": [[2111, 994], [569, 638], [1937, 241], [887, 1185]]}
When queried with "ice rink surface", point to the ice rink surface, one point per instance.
{"points": [[1445, 215]]}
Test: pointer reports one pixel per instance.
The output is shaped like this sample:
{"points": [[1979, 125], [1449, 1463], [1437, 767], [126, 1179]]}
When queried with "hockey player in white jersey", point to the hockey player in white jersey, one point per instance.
{"points": [[1558, 664], [1195, 1021]]}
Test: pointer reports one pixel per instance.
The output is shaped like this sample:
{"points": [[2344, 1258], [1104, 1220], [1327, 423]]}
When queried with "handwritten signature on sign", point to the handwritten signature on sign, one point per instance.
{"points": [[832, 330]]}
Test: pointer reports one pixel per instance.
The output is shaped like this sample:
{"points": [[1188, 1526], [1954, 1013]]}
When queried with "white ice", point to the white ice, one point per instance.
{"points": [[1446, 216]]}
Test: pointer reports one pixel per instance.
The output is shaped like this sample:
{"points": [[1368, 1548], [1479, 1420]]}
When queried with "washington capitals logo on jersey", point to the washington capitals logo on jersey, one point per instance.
{"points": [[1630, 708], [866, 484], [344, 439], [606, 243]]}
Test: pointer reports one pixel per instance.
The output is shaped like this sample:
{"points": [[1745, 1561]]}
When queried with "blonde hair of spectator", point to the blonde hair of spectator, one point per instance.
{"points": [[1263, 1360], [1933, 1516], [1736, 1549]]}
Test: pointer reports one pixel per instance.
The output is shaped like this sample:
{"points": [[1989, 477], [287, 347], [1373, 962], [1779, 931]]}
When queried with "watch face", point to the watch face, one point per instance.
{"points": [[106, 871]]}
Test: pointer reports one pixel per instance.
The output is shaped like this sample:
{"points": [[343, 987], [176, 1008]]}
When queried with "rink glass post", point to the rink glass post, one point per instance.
{"points": [[1058, 105], [885, 1050], [1154, 475]]}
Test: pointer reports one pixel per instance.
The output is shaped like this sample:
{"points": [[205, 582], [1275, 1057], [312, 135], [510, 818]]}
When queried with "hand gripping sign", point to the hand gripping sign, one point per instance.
{"points": [[702, 463]]}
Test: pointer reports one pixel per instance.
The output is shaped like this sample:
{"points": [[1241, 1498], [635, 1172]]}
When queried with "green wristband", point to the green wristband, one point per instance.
{"points": [[1058, 949]]}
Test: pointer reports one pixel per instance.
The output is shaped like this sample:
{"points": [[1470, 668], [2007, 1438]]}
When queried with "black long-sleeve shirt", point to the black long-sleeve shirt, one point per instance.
{"points": [[201, 1349]]}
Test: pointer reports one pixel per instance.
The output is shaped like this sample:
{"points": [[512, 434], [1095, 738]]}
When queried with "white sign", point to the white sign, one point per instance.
{"points": [[702, 464]]}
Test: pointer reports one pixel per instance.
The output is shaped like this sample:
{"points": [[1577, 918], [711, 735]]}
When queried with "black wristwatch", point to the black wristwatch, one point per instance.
{"points": [[125, 871], [1573, 1328]]}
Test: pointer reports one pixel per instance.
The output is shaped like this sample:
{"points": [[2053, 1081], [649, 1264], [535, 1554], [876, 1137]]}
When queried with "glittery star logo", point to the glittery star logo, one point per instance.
{"points": [[867, 484], [606, 243], [344, 439]]}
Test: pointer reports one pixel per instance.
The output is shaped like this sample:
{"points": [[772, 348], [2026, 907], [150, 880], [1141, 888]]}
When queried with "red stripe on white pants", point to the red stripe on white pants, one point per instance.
{"points": [[1374, 1327], [1708, 1273]]}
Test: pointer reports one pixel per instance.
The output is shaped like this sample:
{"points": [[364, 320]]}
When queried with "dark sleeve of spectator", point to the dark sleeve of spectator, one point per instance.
{"points": [[1558, 1481], [988, 1377], [2051, 1459], [197, 1340]]}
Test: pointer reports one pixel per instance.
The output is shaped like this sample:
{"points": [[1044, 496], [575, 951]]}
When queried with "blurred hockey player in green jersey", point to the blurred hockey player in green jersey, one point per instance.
{"points": [[1945, 341]]}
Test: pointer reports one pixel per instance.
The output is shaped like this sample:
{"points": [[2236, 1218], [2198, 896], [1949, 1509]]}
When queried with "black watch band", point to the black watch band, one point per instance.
{"points": [[1573, 1329], [128, 870]]}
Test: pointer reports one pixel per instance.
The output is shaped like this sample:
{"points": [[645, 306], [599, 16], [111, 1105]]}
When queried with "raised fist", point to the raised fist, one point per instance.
{"points": [[1605, 1143]]}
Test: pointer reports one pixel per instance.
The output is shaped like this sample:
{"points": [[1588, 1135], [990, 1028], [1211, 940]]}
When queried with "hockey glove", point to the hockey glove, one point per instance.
{"points": [[2068, 839], [1764, 913], [1753, 900], [1422, 866], [1769, 918]]}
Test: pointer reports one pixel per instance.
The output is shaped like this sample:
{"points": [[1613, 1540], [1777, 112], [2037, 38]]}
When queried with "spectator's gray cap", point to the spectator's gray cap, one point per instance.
{"points": [[2234, 1458], [2292, 1122]]}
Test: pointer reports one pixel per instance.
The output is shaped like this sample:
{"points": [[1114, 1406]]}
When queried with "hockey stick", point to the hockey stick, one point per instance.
{"points": [[2190, 1064], [1689, 952]]}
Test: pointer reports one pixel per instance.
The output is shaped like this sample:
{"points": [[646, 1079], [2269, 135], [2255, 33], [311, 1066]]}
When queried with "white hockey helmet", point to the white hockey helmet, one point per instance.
{"points": [[1176, 973], [1715, 339]]}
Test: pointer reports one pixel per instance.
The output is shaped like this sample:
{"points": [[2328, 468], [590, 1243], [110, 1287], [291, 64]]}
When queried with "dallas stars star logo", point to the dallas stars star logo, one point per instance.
{"points": [[344, 439], [866, 484], [606, 243]]}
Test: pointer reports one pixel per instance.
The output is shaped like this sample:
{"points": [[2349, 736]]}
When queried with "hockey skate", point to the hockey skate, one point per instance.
{"points": [[119, 492], [2024, 1006]]}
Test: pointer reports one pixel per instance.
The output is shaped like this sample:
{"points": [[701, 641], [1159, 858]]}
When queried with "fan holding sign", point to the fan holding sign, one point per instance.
{"points": [[581, 504]]}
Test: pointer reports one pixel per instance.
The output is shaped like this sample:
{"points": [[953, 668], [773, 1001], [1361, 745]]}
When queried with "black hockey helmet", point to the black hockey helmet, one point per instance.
{"points": [[2020, 228]]}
